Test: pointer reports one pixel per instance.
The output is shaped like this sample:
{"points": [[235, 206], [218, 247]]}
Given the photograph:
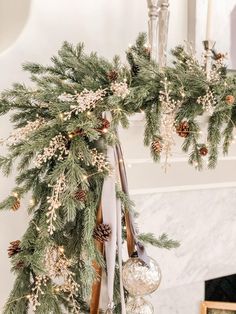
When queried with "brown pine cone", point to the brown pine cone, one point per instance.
{"points": [[112, 75], [105, 126], [230, 99], [102, 232], [147, 51], [219, 56], [14, 248], [183, 129], [16, 204], [203, 151], [80, 195], [19, 265], [135, 69], [156, 146]]}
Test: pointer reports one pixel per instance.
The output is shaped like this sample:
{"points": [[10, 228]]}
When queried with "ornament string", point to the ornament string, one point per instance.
{"points": [[132, 233]]}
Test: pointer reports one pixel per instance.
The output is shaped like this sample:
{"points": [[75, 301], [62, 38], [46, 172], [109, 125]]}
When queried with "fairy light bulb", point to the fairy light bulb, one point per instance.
{"points": [[15, 194], [70, 135], [61, 249], [61, 116], [32, 202]]}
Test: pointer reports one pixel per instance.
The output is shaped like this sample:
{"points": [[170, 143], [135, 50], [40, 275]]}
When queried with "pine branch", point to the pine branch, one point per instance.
{"points": [[162, 242]]}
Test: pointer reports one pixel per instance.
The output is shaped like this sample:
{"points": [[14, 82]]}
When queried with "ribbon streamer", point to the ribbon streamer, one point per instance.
{"points": [[110, 218], [96, 289]]}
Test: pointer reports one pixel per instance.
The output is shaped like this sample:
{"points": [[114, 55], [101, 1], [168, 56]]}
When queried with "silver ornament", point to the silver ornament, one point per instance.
{"points": [[139, 306], [140, 279]]}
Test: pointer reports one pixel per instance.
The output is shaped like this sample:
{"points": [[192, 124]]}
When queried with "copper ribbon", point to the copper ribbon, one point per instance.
{"points": [[96, 289], [124, 184]]}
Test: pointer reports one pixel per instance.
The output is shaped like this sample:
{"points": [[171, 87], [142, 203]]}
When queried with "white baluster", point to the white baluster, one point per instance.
{"points": [[163, 31], [153, 27]]}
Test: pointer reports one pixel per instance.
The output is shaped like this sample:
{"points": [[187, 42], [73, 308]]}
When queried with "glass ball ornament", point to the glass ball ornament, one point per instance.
{"points": [[140, 279], [139, 305]]}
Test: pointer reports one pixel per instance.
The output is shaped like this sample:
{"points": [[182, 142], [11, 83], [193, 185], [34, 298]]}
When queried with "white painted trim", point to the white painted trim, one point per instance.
{"points": [[184, 188], [172, 160]]}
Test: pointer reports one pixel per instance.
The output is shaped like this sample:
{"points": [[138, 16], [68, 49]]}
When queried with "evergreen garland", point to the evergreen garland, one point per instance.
{"points": [[59, 145]]}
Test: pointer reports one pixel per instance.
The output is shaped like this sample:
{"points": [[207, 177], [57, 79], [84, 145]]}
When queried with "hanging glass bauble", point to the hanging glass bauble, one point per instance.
{"points": [[140, 279], [139, 305]]}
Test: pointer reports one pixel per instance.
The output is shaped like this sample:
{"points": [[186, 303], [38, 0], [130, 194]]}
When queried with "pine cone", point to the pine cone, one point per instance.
{"points": [[16, 205], [112, 75], [105, 126], [80, 195], [102, 233], [19, 265], [135, 69], [183, 129], [156, 146], [147, 51], [230, 99], [219, 56], [14, 248], [203, 151]]}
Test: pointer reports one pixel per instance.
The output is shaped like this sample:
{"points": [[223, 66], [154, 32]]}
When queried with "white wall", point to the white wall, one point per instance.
{"points": [[204, 222], [223, 27]]}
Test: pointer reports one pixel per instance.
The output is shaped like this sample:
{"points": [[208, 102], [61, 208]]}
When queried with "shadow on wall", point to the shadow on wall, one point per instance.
{"points": [[13, 17], [233, 38]]}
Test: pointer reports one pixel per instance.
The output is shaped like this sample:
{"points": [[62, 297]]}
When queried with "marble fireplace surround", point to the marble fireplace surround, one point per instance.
{"points": [[204, 222]]}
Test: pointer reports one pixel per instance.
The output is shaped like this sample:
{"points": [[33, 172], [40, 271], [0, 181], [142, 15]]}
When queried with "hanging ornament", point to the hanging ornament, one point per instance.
{"points": [[14, 248], [16, 204], [156, 146], [183, 129], [203, 151], [139, 305], [112, 75], [140, 279], [102, 232], [230, 99], [80, 195]]}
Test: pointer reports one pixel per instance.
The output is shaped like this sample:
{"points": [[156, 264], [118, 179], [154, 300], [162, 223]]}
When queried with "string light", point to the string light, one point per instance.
{"points": [[61, 249], [15, 194], [104, 130], [32, 202]]}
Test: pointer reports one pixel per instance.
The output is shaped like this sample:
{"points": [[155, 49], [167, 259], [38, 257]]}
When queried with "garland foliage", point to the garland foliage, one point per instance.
{"points": [[59, 145]]}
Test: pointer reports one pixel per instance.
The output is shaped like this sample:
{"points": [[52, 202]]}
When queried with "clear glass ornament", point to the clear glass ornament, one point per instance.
{"points": [[139, 305], [140, 279]]}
